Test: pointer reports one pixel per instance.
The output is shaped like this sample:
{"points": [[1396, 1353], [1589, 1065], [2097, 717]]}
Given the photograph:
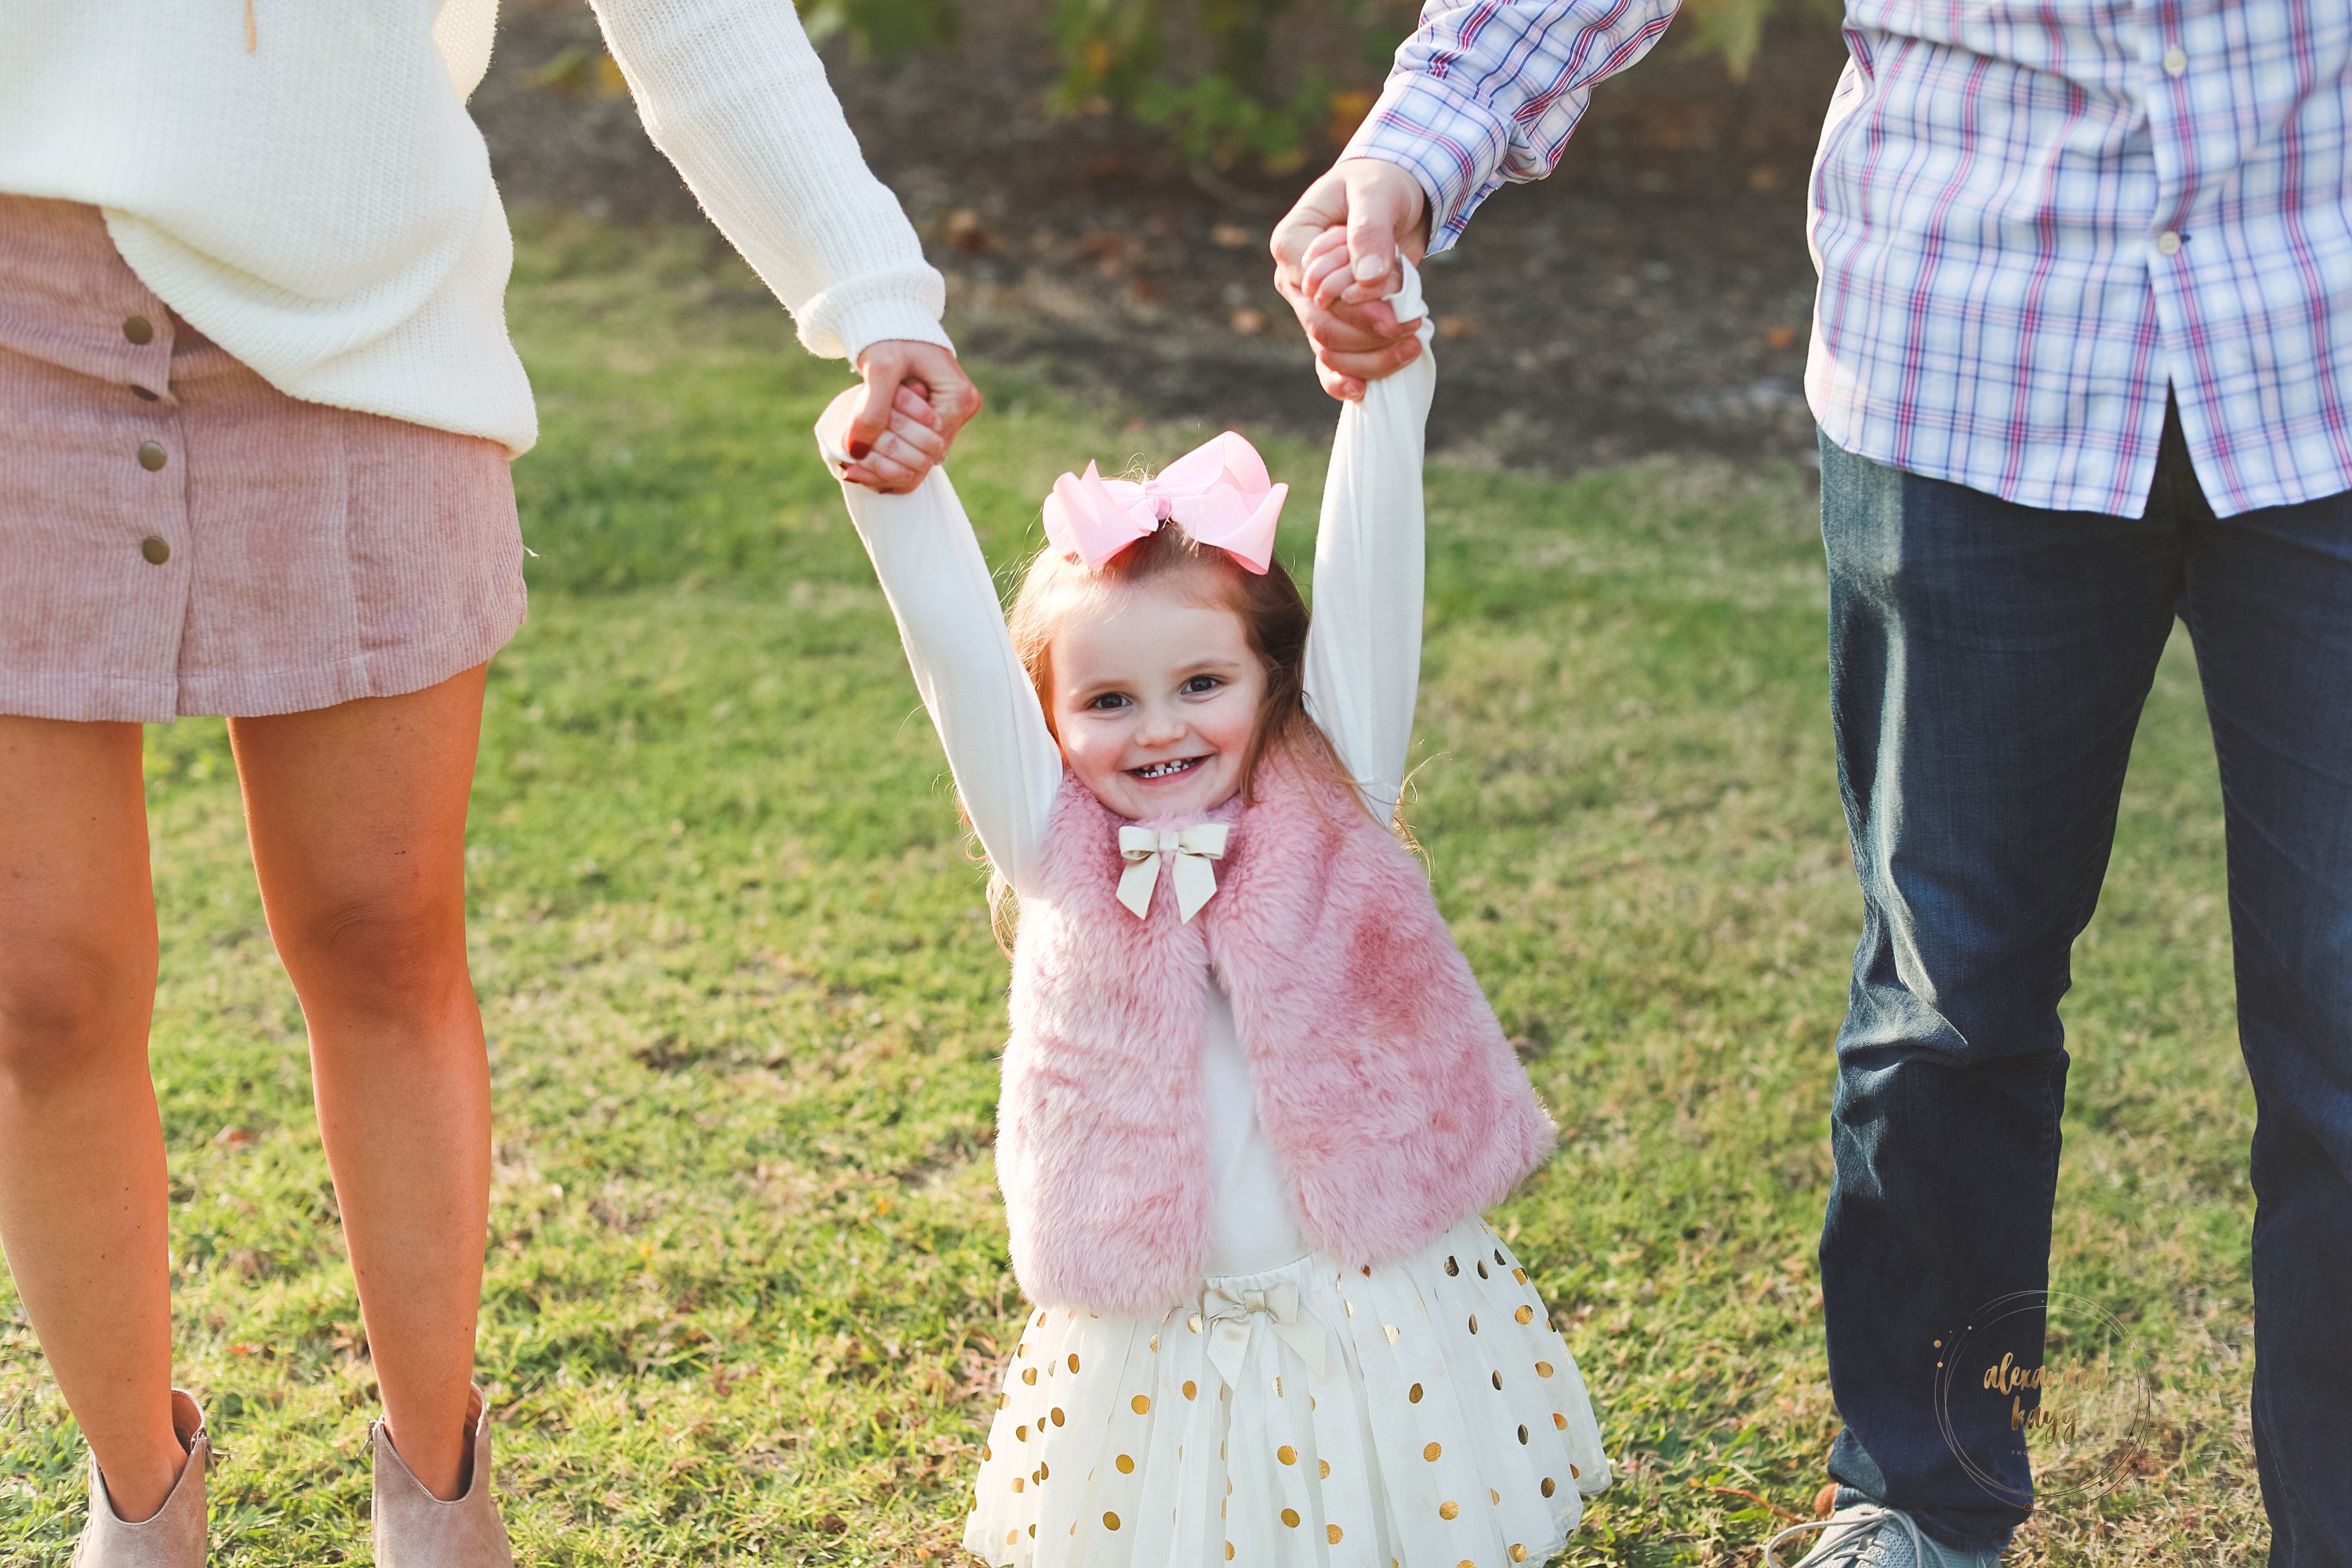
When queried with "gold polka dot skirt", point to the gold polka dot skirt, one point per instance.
{"points": [[1423, 1414]]}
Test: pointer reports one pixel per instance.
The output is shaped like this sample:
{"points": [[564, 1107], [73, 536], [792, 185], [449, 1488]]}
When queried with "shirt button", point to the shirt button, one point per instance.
{"points": [[2167, 242], [151, 456], [155, 550], [138, 330], [2176, 60]]}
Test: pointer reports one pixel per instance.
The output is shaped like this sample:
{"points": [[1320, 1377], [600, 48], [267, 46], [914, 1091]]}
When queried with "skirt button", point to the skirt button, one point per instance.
{"points": [[151, 456], [155, 550], [138, 330]]}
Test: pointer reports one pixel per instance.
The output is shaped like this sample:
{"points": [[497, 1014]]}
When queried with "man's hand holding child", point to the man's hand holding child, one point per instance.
{"points": [[1367, 211]]}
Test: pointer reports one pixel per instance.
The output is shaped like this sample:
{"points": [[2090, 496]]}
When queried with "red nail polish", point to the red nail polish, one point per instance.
{"points": [[859, 449]]}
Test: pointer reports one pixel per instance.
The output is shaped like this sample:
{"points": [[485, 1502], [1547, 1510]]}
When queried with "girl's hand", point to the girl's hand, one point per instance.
{"points": [[1328, 289], [1328, 277], [914, 438]]}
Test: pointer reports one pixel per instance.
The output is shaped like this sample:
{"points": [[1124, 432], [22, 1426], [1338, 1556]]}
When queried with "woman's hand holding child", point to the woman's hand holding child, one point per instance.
{"points": [[916, 399]]}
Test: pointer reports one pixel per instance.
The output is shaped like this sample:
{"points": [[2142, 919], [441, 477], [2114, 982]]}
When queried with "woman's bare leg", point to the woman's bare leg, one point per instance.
{"points": [[84, 1206], [357, 815]]}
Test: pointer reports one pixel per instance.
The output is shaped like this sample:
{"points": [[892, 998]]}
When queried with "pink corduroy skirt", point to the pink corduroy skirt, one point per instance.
{"points": [[178, 537]]}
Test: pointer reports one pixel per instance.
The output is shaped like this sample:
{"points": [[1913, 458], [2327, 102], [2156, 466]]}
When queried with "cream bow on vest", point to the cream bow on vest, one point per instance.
{"points": [[1192, 848], [1230, 1316]]}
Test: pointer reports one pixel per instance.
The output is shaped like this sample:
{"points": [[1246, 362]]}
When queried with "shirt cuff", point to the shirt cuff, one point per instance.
{"points": [[1449, 141]]}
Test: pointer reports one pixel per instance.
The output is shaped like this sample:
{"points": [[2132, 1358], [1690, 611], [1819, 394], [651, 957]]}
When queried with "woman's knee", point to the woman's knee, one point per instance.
{"points": [[390, 955], [71, 1003]]}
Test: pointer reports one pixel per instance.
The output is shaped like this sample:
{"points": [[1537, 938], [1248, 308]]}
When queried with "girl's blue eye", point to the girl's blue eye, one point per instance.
{"points": [[1108, 700], [1201, 683]]}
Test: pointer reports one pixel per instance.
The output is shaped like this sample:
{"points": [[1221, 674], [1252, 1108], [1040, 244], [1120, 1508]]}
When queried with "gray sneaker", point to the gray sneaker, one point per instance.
{"points": [[1864, 1535]]}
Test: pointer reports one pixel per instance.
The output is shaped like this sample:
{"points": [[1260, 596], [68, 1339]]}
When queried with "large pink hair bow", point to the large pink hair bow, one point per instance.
{"points": [[1219, 492]]}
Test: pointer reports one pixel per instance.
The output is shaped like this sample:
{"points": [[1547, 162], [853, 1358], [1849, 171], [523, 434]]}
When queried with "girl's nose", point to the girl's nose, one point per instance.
{"points": [[1159, 728]]}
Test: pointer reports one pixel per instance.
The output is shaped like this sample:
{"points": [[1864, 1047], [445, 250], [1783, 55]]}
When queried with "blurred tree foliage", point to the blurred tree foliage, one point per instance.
{"points": [[883, 29], [1228, 108], [1216, 97]]}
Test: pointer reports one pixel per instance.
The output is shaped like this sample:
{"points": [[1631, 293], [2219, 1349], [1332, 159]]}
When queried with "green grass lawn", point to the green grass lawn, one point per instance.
{"points": [[748, 1286]]}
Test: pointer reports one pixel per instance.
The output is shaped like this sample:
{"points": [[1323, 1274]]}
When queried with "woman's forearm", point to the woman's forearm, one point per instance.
{"points": [[731, 90]]}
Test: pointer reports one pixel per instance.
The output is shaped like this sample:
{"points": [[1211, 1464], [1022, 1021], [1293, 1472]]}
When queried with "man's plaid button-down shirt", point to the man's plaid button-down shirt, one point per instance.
{"points": [[2030, 217]]}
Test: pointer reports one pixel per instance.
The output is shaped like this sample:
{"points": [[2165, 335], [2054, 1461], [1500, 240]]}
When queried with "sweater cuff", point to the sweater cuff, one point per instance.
{"points": [[840, 322], [883, 320]]}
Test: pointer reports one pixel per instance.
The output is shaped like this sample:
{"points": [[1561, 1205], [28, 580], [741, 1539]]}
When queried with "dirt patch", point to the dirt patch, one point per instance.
{"points": [[1653, 296]]}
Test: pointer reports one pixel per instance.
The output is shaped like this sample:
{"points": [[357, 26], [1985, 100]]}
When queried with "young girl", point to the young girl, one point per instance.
{"points": [[1254, 1101]]}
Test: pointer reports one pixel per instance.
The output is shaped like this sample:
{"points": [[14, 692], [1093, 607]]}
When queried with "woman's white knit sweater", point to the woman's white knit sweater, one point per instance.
{"points": [[313, 195]]}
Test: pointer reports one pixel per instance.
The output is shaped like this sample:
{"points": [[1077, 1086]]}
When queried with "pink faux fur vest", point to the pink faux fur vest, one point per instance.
{"points": [[1383, 1081]]}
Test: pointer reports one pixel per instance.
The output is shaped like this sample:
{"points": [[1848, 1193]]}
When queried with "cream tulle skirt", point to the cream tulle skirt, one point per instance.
{"points": [[1422, 1413]]}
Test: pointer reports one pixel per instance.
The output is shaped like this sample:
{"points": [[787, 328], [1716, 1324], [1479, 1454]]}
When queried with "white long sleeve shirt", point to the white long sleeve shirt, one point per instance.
{"points": [[313, 195], [1363, 669]]}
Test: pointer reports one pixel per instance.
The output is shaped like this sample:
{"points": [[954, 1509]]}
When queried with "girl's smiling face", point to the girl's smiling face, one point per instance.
{"points": [[1156, 696]]}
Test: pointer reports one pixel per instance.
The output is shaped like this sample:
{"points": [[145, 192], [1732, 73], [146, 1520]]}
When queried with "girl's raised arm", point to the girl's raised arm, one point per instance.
{"points": [[1363, 645], [1007, 767]]}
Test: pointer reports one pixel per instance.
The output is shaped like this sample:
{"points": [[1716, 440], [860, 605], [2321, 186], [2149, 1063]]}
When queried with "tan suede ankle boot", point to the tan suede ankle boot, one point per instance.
{"points": [[175, 1537], [414, 1529]]}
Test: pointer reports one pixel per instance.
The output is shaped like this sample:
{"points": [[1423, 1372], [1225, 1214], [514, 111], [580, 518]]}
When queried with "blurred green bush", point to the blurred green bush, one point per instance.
{"points": [[883, 29], [1215, 96], [1229, 109]]}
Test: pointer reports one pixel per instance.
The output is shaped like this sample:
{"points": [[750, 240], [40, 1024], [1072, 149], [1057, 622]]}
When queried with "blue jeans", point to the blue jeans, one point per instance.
{"points": [[1988, 665]]}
